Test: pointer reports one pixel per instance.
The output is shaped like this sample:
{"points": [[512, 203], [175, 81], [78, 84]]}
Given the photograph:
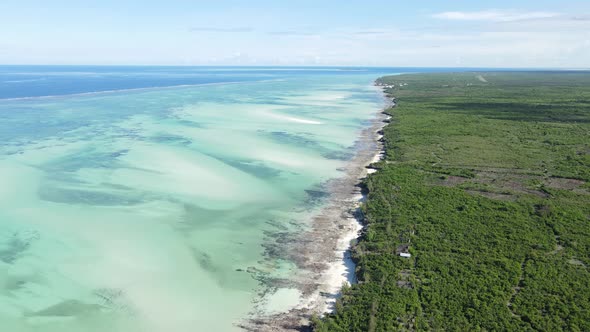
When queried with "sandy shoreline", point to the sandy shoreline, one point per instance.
{"points": [[322, 252]]}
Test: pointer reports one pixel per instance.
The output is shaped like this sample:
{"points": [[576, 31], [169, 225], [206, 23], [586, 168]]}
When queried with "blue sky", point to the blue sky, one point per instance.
{"points": [[262, 32]]}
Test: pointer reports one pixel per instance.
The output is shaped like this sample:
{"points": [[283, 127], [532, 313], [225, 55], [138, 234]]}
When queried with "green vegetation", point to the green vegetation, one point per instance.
{"points": [[485, 183]]}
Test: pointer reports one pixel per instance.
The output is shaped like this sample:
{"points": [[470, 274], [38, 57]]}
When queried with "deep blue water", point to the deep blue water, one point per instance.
{"points": [[38, 81]]}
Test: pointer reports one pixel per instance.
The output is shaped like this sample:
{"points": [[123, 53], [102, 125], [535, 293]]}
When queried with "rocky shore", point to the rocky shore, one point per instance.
{"points": [[322, 252]]}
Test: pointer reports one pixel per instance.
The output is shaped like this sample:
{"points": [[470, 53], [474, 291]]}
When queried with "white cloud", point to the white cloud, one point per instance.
{"points": [[229, 30], [559, 41], [499, 39], [494, 16]]}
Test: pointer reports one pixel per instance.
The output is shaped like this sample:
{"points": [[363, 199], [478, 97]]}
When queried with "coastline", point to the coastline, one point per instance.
{"points": [[322, 253]]}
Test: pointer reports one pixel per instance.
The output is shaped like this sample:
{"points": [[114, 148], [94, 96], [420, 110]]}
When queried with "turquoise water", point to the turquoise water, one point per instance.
{"points": [[147, 209]]}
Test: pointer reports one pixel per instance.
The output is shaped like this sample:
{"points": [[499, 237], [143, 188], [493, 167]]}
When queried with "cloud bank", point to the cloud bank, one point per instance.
{"points": [[494, 16]]}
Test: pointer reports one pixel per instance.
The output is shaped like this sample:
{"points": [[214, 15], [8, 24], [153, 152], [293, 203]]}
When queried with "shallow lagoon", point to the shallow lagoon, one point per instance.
{"points": [[147, 210]]}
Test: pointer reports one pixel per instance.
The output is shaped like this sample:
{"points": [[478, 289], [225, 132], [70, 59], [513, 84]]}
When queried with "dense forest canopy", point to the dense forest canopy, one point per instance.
{"points": [[486, 184]]}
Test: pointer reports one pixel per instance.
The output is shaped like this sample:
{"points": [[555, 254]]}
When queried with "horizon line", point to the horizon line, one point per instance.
{"points": [[293, 66]]}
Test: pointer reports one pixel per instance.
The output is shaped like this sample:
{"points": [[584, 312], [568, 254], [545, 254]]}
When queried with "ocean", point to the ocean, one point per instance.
{"points": [[141, 198]]}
